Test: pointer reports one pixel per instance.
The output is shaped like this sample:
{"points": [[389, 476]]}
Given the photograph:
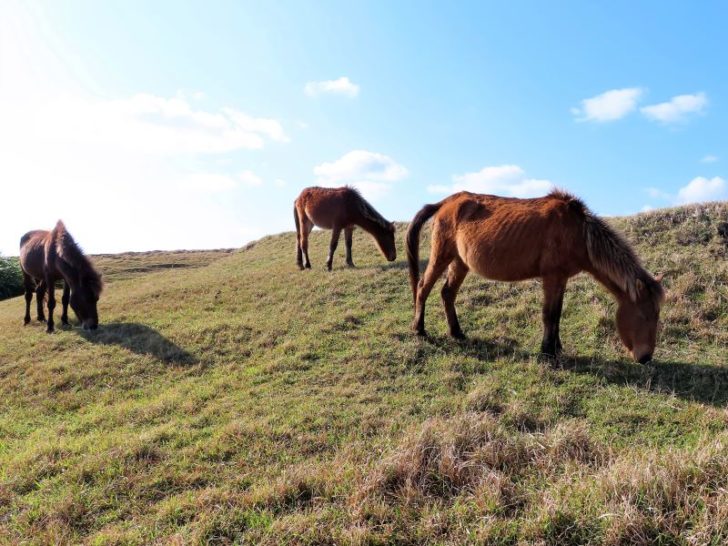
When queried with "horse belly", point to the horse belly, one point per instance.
{"points": [[499, 262]]}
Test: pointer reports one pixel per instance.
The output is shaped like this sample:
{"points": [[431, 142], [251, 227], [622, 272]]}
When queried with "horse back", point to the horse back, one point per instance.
{"points": [[328, 207], [33, 253], [514, 239]]}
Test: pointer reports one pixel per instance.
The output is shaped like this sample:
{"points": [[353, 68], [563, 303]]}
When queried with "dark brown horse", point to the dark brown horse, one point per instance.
{"points": [[554, 238], [49, 256], [337, 209]]}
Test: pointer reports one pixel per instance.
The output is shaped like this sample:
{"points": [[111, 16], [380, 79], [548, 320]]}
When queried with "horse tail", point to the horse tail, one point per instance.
{"points": [[295, 219], [413, 243]]}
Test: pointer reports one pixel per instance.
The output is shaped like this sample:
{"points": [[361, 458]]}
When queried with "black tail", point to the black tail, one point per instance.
{"points": [[413, 243]]}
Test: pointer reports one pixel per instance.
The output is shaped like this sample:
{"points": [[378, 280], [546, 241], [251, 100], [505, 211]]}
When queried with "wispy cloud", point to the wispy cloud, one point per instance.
{"points": [[507, 180], [371, 172], [677, 109], [703, 189], [709, 159], [341, 86], [608, 106]]}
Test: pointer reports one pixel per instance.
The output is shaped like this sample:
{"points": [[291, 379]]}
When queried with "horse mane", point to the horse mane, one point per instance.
{"points": [[68, 250], [368, 211], [610, 254]]}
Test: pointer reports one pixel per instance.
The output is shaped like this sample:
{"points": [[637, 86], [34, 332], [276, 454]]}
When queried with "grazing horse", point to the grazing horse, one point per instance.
{"points": [[337, 209], [552, 237], [49, 256]]}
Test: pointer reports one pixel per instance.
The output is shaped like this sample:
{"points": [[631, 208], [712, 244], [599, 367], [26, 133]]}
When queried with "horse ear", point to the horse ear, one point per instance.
{"points": [[640, 286], [392, 227]]}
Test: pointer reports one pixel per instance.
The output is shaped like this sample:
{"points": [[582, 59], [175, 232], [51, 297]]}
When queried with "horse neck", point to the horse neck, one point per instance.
{"points": [[613, 288], [368, 225]]}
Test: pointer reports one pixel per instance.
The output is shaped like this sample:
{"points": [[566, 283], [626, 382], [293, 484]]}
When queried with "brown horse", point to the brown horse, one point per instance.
{"points": [[337, 209], [49, 256], [552, 237]]}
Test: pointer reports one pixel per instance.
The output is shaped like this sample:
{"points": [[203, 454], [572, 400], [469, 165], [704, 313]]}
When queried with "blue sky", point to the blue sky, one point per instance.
{"points": [[166, 125]]}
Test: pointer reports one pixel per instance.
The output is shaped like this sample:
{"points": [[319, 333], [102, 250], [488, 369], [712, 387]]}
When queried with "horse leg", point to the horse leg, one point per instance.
{"points": [[553, 292], [39, 299], [306, 227], [455, 277], [299, 253], [335, 233], [439, 260], [64, 303], [348, 236], [51, 303], [29, 289]]}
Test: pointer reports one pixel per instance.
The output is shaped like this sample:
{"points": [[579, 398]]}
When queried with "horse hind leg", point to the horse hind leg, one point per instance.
{"points": [[439, 260], [299, 252], [455, 277], [40, 299], [29, 289], [306, 227]]}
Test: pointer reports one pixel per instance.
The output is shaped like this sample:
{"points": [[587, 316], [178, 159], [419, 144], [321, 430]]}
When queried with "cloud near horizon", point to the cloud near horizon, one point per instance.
{"points": [[371, 172], [341, 86], [699, 190], [507, 180]]}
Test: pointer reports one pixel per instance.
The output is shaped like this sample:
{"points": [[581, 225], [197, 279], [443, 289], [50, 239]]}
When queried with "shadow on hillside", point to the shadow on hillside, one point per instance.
{"points": [[695, 382], [479, 348], [139, 339]]}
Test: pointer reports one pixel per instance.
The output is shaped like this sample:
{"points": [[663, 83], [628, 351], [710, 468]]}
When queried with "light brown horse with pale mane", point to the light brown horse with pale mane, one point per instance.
{"points": [[552, 237], [339, 209], [50, 256]]}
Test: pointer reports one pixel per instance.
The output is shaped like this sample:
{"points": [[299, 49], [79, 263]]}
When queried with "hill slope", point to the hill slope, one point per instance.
{"points": [[246, 401]]}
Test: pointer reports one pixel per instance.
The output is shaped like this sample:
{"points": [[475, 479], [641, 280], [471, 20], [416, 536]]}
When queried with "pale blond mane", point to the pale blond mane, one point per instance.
{"points": [[611, 255]]}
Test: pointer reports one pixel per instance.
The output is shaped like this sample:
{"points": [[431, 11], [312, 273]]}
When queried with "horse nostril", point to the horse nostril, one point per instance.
{"points": [[645, 359]]}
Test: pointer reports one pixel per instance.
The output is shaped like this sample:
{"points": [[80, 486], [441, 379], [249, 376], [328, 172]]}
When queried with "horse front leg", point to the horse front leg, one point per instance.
{"points": [[50, 286], [348, 238], [455, 276], [336, 232], [553, 292], [64, 303]]}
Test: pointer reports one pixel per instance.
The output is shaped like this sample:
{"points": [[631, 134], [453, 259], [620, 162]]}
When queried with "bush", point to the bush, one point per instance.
{"points": [[11, 278]]}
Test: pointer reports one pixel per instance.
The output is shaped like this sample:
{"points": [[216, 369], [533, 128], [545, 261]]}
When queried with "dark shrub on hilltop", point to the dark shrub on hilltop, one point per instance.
{"points": [[11, 278]]}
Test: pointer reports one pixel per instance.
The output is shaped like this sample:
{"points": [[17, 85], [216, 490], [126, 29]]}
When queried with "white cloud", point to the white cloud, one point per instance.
{"points": [[372, 173], [125, 173], [709, 159], [508, 180], [250, 179], [657, 193], [647, 208], [701, 189], [676, 109], [609, 106], [341, 86]]}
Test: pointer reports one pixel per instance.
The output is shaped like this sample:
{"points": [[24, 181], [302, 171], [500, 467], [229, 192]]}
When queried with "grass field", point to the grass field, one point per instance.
{"points": [[230, 398]]}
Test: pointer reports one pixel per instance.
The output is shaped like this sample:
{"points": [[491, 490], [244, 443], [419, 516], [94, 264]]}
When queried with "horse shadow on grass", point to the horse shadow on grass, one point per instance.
{"points": [[701, 383], [140, 339]]}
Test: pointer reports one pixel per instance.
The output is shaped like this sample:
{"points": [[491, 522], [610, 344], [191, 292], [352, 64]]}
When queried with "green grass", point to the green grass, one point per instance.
{"points": [[239, 400]]}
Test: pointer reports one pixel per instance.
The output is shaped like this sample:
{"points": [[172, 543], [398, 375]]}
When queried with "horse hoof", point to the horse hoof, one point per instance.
{"points": [[49, 330], [308, 266], [41, 319], [350, 264], [458, 335]]}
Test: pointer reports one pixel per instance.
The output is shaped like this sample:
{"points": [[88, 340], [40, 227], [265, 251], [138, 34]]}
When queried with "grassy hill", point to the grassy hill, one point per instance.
{"points": [[243, 401]]}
